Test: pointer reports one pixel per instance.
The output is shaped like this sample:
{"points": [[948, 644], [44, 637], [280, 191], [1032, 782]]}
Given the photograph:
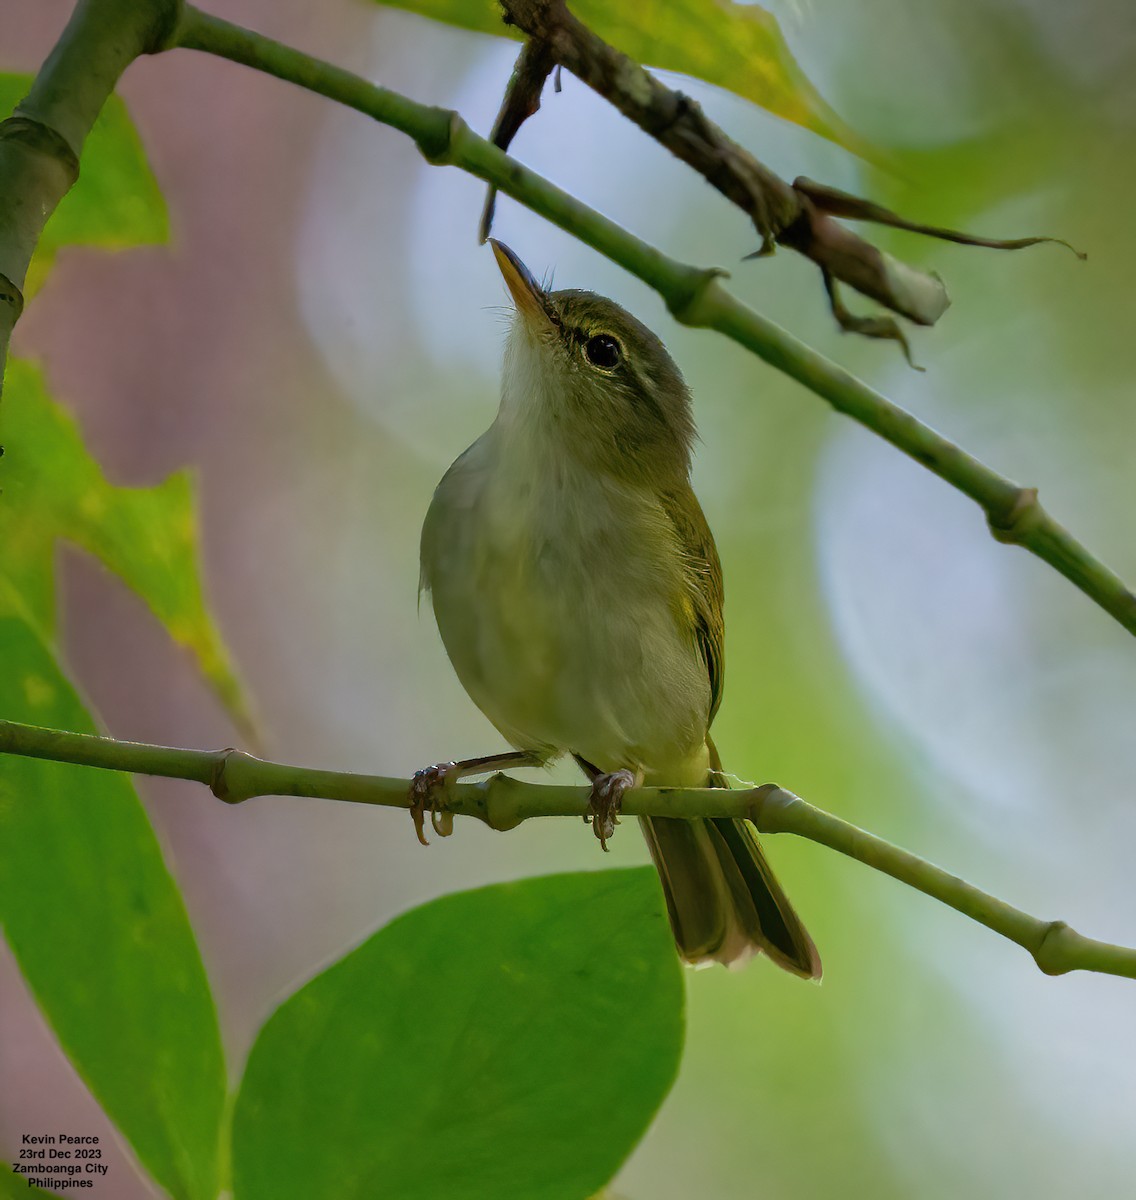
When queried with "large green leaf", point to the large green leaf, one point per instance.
{"points": [[98, 928], [736, 46], [116, 202], [147, 536], [509, 1042]]}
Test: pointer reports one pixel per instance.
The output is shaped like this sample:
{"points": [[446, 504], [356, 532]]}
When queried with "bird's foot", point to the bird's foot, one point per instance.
{"points": [[429, 787], [426, 792], [605, 801]]}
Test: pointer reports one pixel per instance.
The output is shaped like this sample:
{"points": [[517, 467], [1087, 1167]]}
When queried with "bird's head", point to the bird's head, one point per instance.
{"points": [[580, 367]]}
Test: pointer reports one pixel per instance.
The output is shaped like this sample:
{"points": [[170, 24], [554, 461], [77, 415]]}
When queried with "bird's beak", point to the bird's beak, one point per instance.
{"points": [[527, 294]]}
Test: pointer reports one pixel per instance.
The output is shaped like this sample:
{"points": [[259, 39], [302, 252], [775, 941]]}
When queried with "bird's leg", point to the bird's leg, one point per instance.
{"points": [[607, 797], [429, 784]]}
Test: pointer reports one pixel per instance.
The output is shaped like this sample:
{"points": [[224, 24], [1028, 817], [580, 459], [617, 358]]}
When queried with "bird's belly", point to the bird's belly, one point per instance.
{"points": [[566, 634]]}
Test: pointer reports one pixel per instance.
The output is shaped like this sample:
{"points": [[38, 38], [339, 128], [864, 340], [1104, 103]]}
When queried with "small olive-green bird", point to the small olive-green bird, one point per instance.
{"points": [[578, 593]]}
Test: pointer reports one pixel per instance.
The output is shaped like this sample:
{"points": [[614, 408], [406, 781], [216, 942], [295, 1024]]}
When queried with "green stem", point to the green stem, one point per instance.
{"points": [[503, 803], [694, 296]]}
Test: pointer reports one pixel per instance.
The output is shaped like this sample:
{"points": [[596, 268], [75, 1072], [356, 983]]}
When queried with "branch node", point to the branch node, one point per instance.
{"points": [[1024, 515], [688, 301], [221, 781], [166, 28], [766, 801], [39, 138], [497, 805], [447, 127], [1051, 953], [12, 299]]}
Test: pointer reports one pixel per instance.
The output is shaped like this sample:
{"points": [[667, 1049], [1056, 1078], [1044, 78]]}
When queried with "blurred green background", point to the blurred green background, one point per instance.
{"points": [[322, 337]]}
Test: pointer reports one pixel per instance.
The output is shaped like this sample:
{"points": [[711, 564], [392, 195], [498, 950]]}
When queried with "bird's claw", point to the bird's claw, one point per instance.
{"points": [[605, 801], [426, 790]]}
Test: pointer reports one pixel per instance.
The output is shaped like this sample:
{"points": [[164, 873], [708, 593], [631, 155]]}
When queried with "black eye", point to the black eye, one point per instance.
{"points": [[603, 351]]}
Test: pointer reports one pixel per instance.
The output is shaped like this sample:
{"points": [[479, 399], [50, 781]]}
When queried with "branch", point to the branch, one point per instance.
{"points": [[522, 99], [798, 215], [503, 803], [694, 296]]}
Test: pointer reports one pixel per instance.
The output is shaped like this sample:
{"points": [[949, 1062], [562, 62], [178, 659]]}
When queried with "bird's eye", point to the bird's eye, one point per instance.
{"points": [[603, 351]]}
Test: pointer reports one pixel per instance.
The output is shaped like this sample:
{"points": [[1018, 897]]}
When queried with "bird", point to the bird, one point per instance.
{"points": [[578, 593]]}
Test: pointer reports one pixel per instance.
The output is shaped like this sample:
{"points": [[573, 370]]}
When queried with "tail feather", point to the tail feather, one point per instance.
{"points": [[696, 892], [762, 908], [722, 897]]}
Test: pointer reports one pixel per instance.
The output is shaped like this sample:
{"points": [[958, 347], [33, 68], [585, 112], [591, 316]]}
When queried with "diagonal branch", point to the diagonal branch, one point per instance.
{"points": [[797, 215], [503, 803], [694, 296]]}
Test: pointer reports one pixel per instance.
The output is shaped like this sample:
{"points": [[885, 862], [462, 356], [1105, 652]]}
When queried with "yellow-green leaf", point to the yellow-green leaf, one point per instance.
{"points": [[148, 536], [735, 46], [116, 202]]}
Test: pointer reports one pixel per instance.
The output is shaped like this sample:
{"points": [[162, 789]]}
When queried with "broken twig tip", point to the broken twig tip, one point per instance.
{"points": [[884, 328], [1069, 246]]}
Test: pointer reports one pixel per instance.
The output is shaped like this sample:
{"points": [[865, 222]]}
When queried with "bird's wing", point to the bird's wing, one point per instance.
{"points": [[702, 578]]}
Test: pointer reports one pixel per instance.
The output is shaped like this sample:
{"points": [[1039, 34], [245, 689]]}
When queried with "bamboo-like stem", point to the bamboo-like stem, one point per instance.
{"points": [[695, 296], [41, 141], [503, 803]]}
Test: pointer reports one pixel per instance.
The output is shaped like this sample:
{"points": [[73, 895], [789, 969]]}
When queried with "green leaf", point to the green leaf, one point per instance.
{"points": [[99, 930], [735, 46], [116, 202], [52, 488], [16, 1187], [506, 1042]]}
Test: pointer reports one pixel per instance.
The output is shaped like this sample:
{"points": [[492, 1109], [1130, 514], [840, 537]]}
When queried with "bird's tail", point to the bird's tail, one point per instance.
{"points": [[724, 902]]}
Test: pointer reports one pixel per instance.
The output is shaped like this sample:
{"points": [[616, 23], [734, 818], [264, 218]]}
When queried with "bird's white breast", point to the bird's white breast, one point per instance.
{"points": [[559, 596]]}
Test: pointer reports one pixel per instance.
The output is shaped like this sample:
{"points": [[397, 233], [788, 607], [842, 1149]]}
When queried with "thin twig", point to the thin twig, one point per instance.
{"points": [[842, 204], [694, 296], [522, 100], [503, 803]]}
